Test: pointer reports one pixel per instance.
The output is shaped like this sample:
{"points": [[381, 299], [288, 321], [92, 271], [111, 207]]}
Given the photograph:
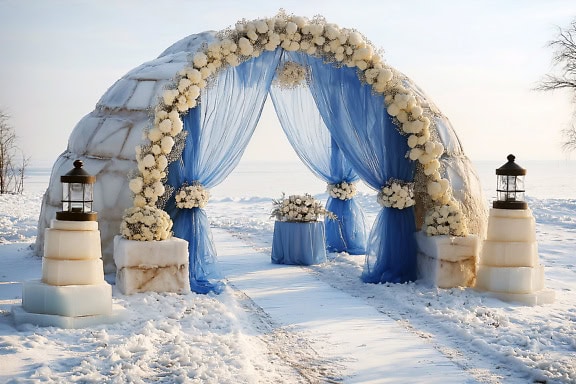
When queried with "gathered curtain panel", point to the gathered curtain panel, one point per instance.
{"points": [[307, 133], [219, 130], [349, 135], [359, 123]]}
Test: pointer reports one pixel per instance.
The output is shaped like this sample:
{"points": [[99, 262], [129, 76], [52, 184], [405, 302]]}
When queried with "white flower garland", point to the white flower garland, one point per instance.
{"points": [[291, 75], [396, 194], [342, 190], [192, 196], [292, 33], [445, 219], [298, 208]]}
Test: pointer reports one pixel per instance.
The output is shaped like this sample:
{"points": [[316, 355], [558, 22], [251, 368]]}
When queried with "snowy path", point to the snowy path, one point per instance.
{"points": [[379, 350]]}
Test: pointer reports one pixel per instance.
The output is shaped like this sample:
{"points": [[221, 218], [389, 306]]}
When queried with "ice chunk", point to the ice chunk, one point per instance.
{"points": [[46, 320], [509, 254], [74, 225], [514, 229], [158, 266], [451, 248], [72, 245], [510, 279], [447, 261], [68, 300], [72, 272], [131, 253]]}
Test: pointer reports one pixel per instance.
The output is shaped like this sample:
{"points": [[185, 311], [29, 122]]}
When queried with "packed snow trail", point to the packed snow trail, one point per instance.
{"points": [[364, 344]]}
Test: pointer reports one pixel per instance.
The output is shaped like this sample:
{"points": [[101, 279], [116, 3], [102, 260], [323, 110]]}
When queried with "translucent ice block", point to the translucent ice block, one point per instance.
{"points": [[510, 279], [131, 253], [68, 300], [509, 254], [511, 229], [72, 272], [450, 248], [45, 320], [74, 225], [72, 245]]}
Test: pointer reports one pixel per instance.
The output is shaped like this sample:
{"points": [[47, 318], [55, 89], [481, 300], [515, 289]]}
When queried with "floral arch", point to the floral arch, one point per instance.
{"points": [[384, 126]]}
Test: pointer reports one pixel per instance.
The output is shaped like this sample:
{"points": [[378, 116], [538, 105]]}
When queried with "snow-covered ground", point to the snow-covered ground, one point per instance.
{"points": [[230, 338]]}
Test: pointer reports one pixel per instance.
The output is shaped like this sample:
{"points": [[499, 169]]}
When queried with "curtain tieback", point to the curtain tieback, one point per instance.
{"points": [[343, 190], [192, 196], [396, 194]]}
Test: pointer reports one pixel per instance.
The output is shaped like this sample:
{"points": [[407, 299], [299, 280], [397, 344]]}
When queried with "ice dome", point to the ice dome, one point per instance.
{"points": [[106, 138]]}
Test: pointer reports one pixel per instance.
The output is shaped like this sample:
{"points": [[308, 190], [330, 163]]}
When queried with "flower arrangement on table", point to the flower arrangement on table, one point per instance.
{"points": [[299, 208], [342, 190]]}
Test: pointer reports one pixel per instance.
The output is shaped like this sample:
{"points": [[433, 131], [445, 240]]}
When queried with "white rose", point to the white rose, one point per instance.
{"points": [[148, 161], [169, 96], [154, 134], [136, 185], [166, 144], [200, 60], [162, 162]]}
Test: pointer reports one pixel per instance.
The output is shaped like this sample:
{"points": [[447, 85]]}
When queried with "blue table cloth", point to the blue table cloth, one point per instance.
{"points": [[298, 243]]}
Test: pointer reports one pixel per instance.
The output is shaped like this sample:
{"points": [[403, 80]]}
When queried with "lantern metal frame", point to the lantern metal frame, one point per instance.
{"points": [[77, 195], [510, 186]]}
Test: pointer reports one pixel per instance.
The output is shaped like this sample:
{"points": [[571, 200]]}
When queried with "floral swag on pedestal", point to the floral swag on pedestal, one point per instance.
{"points": [[316, 37], [299, 208]]}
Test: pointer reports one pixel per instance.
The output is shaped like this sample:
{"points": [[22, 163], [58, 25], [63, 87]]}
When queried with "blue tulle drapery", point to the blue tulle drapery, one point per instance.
{"points": [[359, 123], [219, 130], [312, 141]]}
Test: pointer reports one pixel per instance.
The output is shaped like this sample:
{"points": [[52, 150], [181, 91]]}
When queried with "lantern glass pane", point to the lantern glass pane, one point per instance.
{"points": [[76, 197], [65, 197], [88, 197]]}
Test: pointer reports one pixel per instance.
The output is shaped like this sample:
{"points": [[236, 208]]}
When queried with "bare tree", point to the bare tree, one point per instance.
{"points": [[564, 58], [13, 163]]}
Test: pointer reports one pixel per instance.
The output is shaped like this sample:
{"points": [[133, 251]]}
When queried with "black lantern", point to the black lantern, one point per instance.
{"points": [[510, 186], [77, 195]]}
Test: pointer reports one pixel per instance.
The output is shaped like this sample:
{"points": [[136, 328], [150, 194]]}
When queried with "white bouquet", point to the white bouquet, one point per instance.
{"points": [[396, 194], [192, 196], [146, 224], [445, 220], [342, 191], [299, 208], [291, 75]]}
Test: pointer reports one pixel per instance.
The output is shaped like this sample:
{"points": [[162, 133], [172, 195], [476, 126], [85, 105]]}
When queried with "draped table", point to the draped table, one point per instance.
{"points": [[298, 243]]}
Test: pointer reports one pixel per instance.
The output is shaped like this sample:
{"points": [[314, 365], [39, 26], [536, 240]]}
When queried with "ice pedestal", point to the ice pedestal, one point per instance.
{"points": [[509, 267], [69, 300], [157, 266], [72, 292], [447, 261]]}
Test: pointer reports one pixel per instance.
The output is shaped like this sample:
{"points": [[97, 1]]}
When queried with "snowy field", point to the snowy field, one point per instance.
{"points": [[230, 339]]}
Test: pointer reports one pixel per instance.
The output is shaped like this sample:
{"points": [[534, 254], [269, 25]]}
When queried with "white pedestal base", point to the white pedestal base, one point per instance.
{"points": [[157, 266], [45, 320], [546, 296], [447, 261], [67, 300]]}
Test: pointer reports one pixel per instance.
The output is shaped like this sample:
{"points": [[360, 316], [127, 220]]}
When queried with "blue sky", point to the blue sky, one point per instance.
{"points": [[477, 60]]}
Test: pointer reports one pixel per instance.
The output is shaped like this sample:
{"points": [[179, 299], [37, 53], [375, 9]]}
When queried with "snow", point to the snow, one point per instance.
{"points": [[289, 324]]}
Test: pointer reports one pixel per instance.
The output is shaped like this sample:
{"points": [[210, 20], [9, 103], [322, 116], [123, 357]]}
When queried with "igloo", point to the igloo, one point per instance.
{"points": [[106, 139]]}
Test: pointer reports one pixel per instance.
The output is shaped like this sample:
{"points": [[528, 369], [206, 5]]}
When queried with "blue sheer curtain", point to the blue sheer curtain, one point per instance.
{"points": [[218, 132], [312, 141], [358, 121]]}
